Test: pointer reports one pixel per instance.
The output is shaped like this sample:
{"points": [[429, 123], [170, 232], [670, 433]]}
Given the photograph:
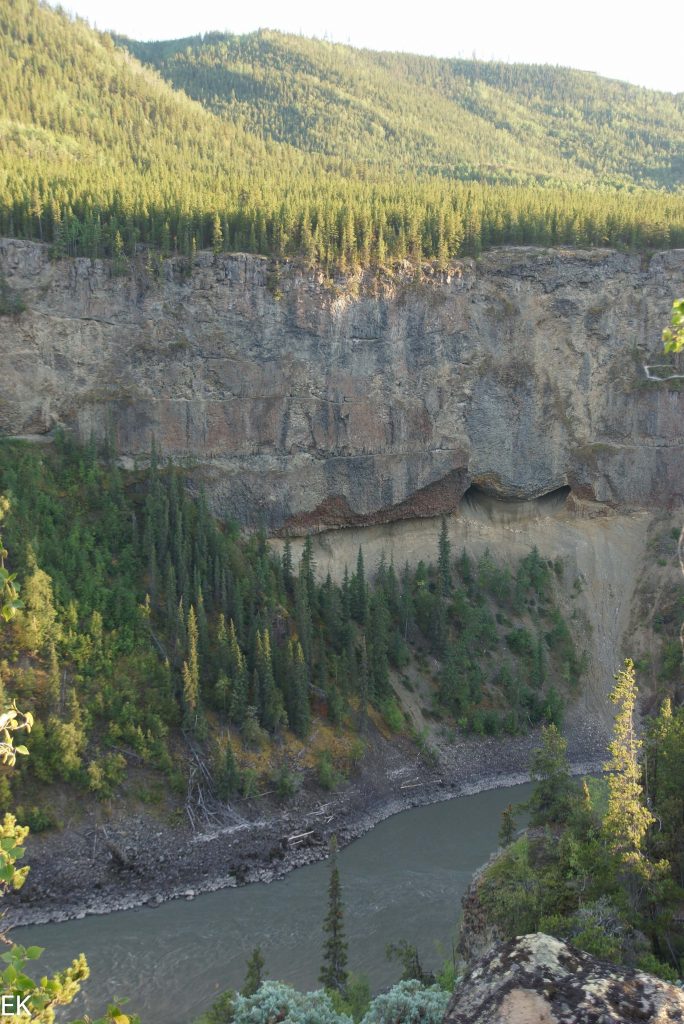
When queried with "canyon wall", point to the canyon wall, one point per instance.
{"points": [[305, 404]]}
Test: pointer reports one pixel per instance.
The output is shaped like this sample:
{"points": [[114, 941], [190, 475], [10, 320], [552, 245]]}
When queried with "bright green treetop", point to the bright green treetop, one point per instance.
{"points": [[627, 819], [673, 336]]}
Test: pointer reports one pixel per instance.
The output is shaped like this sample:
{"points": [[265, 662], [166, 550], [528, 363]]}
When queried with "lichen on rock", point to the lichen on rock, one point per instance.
{"points": [[537, 979]]}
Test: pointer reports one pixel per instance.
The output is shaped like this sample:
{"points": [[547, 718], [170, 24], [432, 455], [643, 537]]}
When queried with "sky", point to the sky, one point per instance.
{"points": [[639, 43]]}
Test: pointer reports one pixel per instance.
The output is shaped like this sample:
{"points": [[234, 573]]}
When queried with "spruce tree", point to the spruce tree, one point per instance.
{"points": [[216, 235], [272, 710], [507, 827], [299, 714], [554, 792], [444, 557], [191, 673], [304, 619], [254, 976], [364, 687], [228, 774], [307, 570], [239, 678], [333, 974], [287, 565], [406, 601], [377, 635], [54, 688], [222, 691], [465, 567], [627, 819], [358, 592]]}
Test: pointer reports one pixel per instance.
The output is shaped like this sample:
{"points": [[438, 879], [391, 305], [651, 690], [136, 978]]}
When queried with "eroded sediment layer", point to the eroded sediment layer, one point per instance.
{"points": [[603, 555]]}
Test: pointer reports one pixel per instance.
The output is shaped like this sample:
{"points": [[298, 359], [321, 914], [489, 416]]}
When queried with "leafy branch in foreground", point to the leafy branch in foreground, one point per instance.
{"points": [[34, 1002], [9, 588], [673, 336]]}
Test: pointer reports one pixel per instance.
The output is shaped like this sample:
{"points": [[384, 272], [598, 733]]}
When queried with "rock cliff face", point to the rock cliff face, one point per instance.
{"points": [[308, 405], [535, 979]]}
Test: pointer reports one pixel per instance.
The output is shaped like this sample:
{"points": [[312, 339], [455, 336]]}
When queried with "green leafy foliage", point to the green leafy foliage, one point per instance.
{"points": [[409, 1002], [627, 819], [673, 336], [9, 588], [601, 869], [275, 1001], [42, 997], [554, 792]]}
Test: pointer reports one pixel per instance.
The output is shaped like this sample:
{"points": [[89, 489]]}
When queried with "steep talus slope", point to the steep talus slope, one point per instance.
{"points": [[603, 555], [378, 399]]}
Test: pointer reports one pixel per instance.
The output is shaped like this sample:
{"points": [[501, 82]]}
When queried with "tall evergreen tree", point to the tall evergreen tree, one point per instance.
{"points": [[358, 591], [307, 570], [444, 556], [298, 711], [191, 673], [288, 573], [554, 790], [627, 819], [333, 974], [255, 973]]}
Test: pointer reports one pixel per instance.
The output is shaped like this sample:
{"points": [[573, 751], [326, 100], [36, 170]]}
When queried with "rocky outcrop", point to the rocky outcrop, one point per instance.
{"points": [[304, 404], [536, 979], [477, 934]]}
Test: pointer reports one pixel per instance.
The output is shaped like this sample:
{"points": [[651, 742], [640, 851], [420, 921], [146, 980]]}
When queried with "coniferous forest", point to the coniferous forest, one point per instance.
{"points": [[144, 619], [143, 640], [100, 154], [149, 631]]}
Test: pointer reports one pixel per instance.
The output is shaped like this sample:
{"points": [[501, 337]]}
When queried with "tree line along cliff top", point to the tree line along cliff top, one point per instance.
{"points": [[287, 146]]}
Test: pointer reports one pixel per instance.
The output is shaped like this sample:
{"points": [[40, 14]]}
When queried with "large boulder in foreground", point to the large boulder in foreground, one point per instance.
{"points": [[536, 979]]}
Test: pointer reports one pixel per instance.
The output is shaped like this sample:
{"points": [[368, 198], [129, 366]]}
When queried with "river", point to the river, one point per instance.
{"points": [[403, 879]]}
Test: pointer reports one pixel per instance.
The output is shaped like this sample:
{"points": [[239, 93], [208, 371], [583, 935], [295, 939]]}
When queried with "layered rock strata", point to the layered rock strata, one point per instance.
{"points": [[305, 404]]}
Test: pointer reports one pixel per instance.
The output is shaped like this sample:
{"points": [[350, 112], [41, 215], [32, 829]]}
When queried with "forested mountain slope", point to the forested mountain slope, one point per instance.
{"points": [[98, 154], [458, 118], [146, 626]]}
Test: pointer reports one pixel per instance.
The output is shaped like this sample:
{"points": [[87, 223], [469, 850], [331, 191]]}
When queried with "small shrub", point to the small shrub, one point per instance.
{"points": [[285, 783], [393, 715], [10, 303], [650, 963], [106, 774], [250, 783], [275, 1001], [222, 1010], [328, 777], [356, 999], [6, 795], [38, 819], [409, 1002]]}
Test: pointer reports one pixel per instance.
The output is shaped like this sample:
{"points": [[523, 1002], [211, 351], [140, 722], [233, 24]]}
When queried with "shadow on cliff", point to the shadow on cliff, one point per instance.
{"points": [[478, 504]]}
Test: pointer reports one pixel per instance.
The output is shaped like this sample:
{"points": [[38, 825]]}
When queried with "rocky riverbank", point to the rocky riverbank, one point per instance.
{"points": [[100, 866]]}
